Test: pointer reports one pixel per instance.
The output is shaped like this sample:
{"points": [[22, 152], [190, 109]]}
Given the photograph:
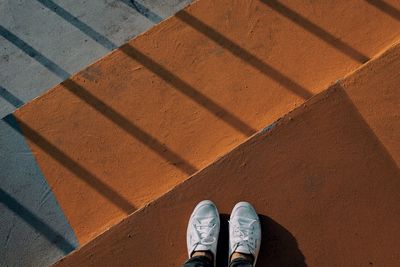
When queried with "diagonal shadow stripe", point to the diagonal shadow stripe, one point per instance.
{"points": [[188, 90], [73, 166], [169, 77], [385, 7], [243, 54], [153, 66], [89, 31], [33, 53], [36, 223], [10, 98], [144, 11], [125, 124], [102, 107], [317, 31]]}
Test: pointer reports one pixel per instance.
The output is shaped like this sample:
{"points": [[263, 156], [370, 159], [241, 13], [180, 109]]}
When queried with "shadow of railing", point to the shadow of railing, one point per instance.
{"points": [[9, 97], [317, 31], [183, 86], [125, 124], [36, 223], [243, 54], [101, 106], [188, 90], [86, 29], [142, 10], [151, 65], [386, 8], [33, 53], [73, 166]]}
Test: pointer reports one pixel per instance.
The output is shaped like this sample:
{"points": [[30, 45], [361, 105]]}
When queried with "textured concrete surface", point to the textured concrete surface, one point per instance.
{"points": [[133, 125], [143, 119], [35, 35], [325, 181], [128, 128], [34, 230]]}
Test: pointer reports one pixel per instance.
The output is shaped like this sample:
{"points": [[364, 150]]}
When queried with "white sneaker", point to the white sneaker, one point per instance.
{"points": [[203, 229], [244, 230]]}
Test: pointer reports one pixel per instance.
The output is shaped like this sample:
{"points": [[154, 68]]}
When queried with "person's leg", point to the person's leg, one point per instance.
{"points": [[198, 261], [240, 262], [202, 235], [244, 236]]}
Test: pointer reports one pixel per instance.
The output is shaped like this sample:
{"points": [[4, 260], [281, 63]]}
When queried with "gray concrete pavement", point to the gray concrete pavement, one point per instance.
{"points": [[42, 42]]}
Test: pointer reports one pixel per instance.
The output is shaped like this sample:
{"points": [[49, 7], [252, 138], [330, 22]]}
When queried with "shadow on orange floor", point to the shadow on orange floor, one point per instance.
{"points": [[128, 126], [317, 31], [181, 85], [76, 168], [385, 7], [278, 246], [188, 90], [243, 54], [322, 172], [106, 111]]}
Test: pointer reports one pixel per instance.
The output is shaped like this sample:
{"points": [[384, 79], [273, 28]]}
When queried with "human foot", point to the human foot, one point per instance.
{"points": [[244, 232], [203, 229]]}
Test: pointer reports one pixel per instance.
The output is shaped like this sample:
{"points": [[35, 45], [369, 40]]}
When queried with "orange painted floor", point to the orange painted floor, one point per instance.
{"points": [[325, 181], [135, 124]]}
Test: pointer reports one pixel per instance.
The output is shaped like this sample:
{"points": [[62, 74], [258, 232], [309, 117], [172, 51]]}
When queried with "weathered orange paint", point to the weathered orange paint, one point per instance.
{"points": [[135, 124], [325, 181]]}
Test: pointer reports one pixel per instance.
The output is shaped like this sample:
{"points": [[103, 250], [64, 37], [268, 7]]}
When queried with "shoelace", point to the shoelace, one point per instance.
{"points": [[241, 235], [204, 233]]}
